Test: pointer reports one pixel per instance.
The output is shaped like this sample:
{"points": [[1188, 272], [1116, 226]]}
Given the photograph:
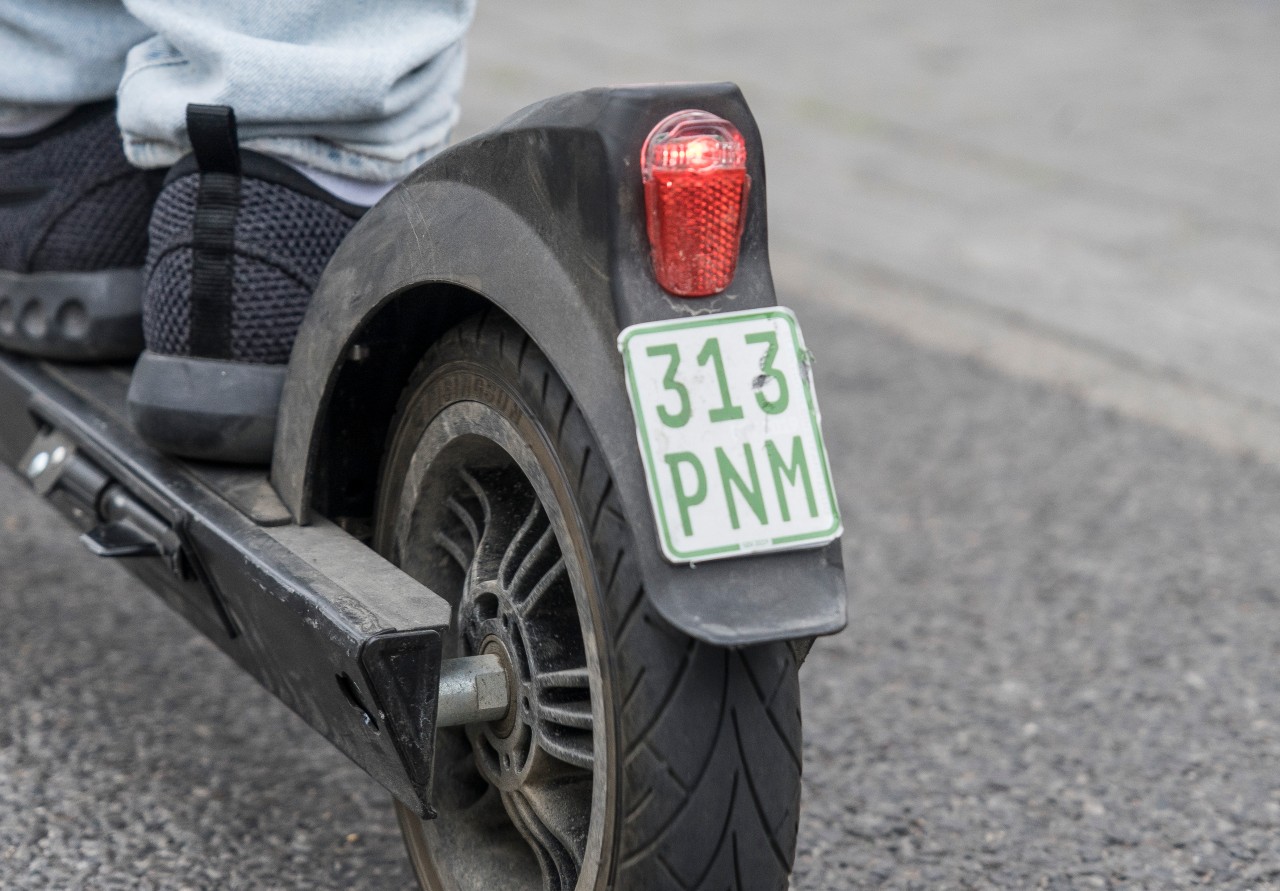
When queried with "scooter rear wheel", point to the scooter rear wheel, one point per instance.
{"points": [[633, 757]]}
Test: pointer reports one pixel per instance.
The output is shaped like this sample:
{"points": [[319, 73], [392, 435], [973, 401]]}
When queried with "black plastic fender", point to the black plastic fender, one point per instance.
{"points": [[543, 218]]}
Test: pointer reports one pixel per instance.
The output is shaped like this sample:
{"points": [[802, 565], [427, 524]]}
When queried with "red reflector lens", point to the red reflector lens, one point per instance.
{"points": [[695, 191]]}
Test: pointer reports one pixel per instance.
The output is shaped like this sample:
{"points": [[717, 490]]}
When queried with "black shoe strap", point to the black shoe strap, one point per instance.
{"points": [[212, 130]]}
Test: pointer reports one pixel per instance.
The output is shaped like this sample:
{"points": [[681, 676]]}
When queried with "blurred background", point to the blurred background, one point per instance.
{"points": [[1035, 248]]}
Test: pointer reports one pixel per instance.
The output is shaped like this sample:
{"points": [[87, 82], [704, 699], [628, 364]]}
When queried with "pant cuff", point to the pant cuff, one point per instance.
{"points": [[318, 154]]}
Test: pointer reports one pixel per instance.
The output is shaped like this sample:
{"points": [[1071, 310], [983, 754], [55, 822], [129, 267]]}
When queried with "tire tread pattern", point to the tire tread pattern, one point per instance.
{"points": [[709, 738]]}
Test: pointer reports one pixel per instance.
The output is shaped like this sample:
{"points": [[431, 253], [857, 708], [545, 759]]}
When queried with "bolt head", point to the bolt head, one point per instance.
{"points": [[38, 464]]}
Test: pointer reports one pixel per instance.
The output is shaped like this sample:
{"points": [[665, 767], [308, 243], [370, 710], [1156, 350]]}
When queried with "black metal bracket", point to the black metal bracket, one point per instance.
{"points": [[121, 525], [120, 539], [403, 670]]}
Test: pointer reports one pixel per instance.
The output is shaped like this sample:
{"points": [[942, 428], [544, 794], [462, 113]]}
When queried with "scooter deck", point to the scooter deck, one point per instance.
{"points": [[344, 638]]}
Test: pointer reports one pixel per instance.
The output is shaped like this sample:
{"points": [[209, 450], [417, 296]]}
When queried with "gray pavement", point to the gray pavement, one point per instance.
{"points": [[1104, 174], [1060, 672], [1033, 247]]}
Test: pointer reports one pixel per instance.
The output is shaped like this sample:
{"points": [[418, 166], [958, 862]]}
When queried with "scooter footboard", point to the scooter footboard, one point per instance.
{"points": [[345, 639]]}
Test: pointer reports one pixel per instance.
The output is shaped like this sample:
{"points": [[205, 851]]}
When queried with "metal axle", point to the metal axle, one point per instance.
{"points": [[473, 689]]}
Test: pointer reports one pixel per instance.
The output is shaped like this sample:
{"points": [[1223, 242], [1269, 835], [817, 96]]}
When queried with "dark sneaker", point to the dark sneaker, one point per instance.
{"points": [[73, 237], [238, 242]]}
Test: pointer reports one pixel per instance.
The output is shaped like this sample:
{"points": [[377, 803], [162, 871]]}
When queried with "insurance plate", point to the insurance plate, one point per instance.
{"points": [[730, 435]]}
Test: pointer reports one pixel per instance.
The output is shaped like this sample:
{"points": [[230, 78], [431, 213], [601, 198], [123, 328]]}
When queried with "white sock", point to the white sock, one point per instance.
{"points": [[23, 120], [353, 191]]}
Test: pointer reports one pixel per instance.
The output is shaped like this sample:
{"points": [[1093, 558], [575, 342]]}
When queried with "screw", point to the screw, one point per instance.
{"points": [[38, 464]]}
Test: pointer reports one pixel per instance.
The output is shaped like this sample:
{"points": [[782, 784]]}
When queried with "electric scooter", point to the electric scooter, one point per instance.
{"points": [[548, 527]]}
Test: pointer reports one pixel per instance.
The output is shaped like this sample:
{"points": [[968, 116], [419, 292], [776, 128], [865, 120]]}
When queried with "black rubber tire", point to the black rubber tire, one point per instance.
{"points": [[705, 759]]}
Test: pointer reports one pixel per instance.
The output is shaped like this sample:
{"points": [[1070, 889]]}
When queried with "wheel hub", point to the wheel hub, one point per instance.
{"points": [[495, 646], [489, 530], [506, 749]]}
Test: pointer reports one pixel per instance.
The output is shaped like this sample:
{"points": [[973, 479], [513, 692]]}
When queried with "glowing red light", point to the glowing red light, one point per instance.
{"points": [[695, 183]]}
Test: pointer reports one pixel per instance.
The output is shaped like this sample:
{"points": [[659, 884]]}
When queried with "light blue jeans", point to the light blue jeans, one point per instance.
{"points": [[365, 89]]}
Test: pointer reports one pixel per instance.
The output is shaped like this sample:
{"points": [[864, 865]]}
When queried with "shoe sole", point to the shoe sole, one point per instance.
{"points": [[209, 409], [72, 316]]}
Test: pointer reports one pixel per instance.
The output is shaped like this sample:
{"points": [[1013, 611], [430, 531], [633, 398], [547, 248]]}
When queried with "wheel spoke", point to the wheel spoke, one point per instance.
{"points": [[564, 722], [517, 548], [501, 529], [570, 746], [538, 554], [568, 678], [544, 584], [567, 714], [552, 831], [478, 490], [454, 550], [459, 510]]}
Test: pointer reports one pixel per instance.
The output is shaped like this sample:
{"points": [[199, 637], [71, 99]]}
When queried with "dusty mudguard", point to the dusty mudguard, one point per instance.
{"points": [[540, 218]]}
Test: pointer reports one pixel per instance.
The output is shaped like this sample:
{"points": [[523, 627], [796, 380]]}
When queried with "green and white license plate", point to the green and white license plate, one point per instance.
{"points": [[730, 436]]}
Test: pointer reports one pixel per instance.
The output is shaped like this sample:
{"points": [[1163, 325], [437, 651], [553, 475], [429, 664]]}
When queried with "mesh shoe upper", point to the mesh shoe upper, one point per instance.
{"points": [[282, 241], [69, 201]]}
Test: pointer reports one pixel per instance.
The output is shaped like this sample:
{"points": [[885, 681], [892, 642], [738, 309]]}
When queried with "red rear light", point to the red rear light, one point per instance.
{"points": [[695, 194]]}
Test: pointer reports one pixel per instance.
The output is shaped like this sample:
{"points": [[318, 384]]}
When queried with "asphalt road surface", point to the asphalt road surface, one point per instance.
{"points": [[1033, 249]]}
